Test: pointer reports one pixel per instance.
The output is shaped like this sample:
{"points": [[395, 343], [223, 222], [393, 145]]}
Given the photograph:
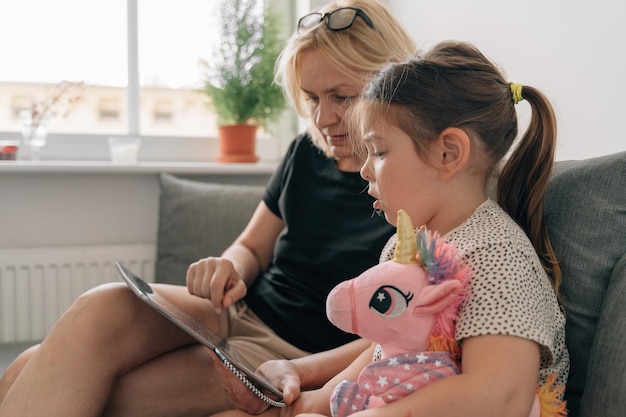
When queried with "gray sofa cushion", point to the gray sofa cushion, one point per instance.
{"points": [[586, 218], [605, 394], [198, 219]]}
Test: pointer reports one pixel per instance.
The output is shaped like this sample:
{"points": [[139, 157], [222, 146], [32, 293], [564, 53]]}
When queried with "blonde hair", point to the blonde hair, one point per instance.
{"points": [[357, 51]]}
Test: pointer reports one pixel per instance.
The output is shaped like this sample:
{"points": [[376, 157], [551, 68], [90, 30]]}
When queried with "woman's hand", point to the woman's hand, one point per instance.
{"points": [[285, 376], [224, 280], [217, 280]]}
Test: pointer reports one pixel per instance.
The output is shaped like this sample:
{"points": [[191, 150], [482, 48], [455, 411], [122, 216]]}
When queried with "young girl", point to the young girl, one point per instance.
{"points": [[436, 128]]}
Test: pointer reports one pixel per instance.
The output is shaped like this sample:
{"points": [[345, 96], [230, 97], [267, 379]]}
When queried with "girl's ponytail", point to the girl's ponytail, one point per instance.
{"points": [[522, 196]]}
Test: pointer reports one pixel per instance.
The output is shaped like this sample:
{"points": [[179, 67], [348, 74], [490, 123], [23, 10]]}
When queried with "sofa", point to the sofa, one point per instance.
{"points": [[585, 211]]}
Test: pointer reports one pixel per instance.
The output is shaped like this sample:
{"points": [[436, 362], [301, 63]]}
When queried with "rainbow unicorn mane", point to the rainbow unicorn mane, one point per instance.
{"points": [[441, 261]]}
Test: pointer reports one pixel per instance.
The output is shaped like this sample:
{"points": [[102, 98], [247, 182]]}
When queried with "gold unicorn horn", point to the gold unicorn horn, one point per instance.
{"points": [[406, 246]]}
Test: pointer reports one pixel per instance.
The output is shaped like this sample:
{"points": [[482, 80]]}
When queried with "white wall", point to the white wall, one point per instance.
{"points": [[64, 206], [574, 51]]}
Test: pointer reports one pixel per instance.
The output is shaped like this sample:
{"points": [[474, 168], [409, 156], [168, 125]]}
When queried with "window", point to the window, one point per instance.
{"points": [[46, 42], [139, 61]]}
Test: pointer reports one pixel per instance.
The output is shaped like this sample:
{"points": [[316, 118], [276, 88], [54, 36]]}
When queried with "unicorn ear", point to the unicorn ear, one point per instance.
{"points": [[434, 298], [406, 247]]}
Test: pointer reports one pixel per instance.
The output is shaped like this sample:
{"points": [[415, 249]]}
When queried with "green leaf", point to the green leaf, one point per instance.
{"points": [[240, 77]]}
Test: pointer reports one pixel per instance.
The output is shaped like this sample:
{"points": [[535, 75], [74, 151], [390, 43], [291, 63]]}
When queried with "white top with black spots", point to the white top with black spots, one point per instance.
{"points": [[509, 292]]}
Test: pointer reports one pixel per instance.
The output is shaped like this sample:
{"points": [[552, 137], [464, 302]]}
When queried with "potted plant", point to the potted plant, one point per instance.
{"points": [[240, 77]]}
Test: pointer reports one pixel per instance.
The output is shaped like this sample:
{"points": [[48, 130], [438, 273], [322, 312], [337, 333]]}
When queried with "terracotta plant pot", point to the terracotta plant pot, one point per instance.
{"points": [[237, 143]]}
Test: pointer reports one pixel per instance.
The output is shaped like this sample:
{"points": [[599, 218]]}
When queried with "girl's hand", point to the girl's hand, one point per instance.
{"points": [[285, 376], [217, 280]]}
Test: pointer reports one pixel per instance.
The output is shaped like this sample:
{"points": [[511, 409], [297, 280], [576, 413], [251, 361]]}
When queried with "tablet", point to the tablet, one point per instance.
{"points": [[233, 361]]}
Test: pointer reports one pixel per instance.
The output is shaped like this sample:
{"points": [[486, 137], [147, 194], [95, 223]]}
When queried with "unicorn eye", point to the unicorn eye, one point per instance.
{"points": [[389, 301]]}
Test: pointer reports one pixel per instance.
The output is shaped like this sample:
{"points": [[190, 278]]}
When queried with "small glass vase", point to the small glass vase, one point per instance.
{"points": [[34, 137]]}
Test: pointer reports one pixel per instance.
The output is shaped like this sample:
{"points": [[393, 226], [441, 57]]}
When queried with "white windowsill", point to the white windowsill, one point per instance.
{"points": [[64, 167]]}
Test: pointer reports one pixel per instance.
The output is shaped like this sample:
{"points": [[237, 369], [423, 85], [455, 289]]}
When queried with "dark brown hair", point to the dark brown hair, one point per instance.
{"points": [[455, 85]]}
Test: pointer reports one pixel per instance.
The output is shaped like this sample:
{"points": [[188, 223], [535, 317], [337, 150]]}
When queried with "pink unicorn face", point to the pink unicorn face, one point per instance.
{"points": [[383, 305], [398, 303]]}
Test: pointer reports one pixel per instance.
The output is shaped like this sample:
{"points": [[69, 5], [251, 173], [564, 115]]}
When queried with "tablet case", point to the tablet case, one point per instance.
{"points": [[243, 370]]}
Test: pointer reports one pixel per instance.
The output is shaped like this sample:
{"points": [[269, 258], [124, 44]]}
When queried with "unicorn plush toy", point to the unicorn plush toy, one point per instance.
{"points": [[408, 306]]}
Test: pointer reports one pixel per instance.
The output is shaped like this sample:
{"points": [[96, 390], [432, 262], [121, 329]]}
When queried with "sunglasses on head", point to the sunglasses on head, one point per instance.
{"points": [[340, 19]]}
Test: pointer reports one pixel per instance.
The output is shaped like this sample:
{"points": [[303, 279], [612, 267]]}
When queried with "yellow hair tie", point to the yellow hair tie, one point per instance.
{"points": [[516, 89]]}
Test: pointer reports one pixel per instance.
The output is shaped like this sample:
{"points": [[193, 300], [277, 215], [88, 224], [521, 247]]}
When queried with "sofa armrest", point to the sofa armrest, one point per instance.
{"points": [[606, 375], [198, 219], [585, 213]]}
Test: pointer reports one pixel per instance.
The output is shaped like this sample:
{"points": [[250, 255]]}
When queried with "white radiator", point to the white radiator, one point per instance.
{"points": [[38, 284]]}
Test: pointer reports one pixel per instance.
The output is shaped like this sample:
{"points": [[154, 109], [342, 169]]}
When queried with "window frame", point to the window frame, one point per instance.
{"points": [[94, 147]]}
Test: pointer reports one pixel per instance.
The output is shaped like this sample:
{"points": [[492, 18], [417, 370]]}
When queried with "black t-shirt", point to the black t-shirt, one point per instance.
{"points": [[330, 235]]}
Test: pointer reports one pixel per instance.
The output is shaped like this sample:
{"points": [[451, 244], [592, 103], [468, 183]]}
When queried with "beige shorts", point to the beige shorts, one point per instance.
{"points": [[252, 338]]}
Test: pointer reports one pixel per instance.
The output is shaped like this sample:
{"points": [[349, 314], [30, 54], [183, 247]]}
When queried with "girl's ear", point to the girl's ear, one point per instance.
{"points": [[453, 147]]}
